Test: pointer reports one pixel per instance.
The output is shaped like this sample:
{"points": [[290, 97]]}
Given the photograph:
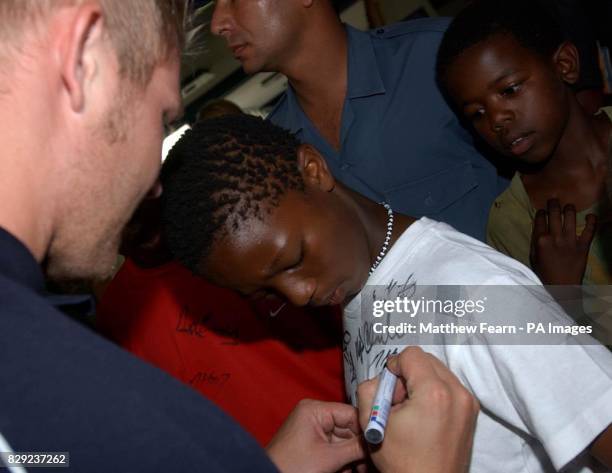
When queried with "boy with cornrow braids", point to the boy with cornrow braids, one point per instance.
{"points": [[249, 207]]}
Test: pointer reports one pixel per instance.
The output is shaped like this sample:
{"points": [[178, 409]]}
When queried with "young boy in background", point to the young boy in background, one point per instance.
{"points": [[508, 70], [250, 208]]}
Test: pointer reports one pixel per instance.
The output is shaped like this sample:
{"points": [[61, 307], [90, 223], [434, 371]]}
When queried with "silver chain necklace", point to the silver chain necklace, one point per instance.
{"points": [[385, 246]]}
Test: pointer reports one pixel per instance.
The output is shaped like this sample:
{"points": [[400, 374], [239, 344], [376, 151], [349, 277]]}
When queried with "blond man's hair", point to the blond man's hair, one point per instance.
{"points": [[143, 32]]}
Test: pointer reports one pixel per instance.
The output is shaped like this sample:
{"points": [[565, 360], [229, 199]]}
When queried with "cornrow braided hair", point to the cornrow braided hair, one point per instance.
{"points": [[221, 173]]}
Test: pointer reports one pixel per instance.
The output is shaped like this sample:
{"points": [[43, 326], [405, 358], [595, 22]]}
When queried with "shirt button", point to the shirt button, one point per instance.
{"points": [[344, 167]]}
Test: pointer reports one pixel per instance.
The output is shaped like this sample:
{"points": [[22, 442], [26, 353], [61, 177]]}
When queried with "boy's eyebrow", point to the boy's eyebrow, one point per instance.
{"points": [[504, 75]]}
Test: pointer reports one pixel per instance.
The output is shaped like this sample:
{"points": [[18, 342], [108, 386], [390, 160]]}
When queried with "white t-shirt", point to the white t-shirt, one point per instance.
{"points": [[541, 405]]}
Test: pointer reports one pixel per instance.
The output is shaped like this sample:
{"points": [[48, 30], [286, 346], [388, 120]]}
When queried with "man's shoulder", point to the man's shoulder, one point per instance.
{"points": [[66, 386], [412, 27]]}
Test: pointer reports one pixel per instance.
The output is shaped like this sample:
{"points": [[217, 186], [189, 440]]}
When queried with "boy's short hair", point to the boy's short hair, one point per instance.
{"points": [[143, 32], [527, 21], [222, 172]]}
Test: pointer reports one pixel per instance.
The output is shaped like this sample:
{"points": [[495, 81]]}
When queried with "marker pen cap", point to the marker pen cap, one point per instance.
{"points": [[374, 434]]}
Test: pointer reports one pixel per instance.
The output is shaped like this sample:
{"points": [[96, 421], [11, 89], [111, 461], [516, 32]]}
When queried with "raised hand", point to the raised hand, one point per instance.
{"points": [[558, 255]]}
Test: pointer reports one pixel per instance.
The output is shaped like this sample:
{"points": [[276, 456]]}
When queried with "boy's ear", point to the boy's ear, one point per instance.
{"points": [[567, 62], [314, 168]]}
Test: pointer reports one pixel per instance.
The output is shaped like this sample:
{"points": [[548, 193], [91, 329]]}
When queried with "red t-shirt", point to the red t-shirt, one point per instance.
{"points": [[254, 360]]}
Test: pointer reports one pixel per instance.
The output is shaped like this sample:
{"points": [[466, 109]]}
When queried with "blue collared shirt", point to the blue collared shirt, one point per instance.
{"points": [[65, 389], [399, 140]]}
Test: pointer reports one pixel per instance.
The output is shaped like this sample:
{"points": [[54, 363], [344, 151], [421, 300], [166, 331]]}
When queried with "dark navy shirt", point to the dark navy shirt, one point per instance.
{"points": [[399, 140], [65, 389]]}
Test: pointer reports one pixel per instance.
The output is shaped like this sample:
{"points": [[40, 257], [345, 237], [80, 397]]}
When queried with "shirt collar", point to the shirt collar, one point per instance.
{"points": [[363, 73], [363, 77], [18, 264], [295, 116]]}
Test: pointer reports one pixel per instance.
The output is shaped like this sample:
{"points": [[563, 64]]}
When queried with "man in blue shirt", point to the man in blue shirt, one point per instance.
{"points": [[82, 102], [369, 102]]}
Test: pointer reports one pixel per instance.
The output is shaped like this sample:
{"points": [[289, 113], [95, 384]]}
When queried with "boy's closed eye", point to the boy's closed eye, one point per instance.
{"points": [[296, 261], [289, 261]]}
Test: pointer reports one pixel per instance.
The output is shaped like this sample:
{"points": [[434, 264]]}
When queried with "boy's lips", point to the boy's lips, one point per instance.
{"points": [[519, 144]]}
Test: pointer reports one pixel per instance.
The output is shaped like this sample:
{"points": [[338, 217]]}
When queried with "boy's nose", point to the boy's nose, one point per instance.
{"points": [[299, 291], [221, 21]]}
